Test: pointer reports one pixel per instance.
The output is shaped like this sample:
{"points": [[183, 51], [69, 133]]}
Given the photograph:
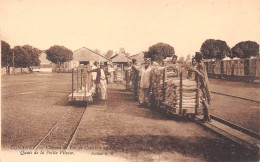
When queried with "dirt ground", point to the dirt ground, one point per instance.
{"points": [[31, 104]]}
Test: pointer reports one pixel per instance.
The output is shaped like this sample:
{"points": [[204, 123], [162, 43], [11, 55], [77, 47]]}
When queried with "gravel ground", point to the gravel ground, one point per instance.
{"points": [[241, 112], [32, 104], [119, 128], [240, 89]]}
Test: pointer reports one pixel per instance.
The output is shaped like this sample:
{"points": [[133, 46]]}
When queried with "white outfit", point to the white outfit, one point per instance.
{"points": [[144, 85], [103, 85]]}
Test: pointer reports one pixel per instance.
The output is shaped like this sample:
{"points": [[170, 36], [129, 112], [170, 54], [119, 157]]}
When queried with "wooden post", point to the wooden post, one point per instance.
{"points": [[89, 80], [197, 94], [77, 80], [81, 78], [84, 73], [164, 84], [180, 112], [72, 85]]}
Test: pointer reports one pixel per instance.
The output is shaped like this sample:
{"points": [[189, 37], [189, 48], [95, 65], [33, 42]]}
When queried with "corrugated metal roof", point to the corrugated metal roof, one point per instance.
{"points": [[120, 57], [85, 54]]}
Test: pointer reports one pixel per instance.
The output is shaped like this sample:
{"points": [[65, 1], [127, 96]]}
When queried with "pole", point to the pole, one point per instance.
{"points": [[13, 62]]}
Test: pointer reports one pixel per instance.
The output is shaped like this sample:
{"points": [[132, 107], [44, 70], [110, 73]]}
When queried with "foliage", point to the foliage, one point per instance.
{"points": [[59, 54], [21, 57], [97, 51], [181, 60], [188, 58], [215, 49], [159, 51], [33, 55], [6, 54], [245, 49], [121, 50], [109, 53]]}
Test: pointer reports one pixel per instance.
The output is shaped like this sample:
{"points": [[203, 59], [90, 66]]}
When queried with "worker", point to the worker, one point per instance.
{"points": [[101, 81], [204, 92], [173, 69], [135, 78], [145, 84]]}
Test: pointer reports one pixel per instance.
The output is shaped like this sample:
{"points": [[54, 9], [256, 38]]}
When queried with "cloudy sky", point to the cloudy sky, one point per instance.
{"points": [[131, 24]]}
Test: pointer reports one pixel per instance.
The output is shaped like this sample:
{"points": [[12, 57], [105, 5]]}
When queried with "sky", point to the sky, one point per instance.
{"points": [[131, 24]]}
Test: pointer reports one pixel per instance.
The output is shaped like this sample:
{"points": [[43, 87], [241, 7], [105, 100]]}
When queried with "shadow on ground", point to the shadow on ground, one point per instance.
{"points": [[208, 149]]}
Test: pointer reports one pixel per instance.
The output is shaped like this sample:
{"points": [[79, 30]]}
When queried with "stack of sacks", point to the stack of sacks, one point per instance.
{"points": [[189, 95], [172, 96], [157, 85]]}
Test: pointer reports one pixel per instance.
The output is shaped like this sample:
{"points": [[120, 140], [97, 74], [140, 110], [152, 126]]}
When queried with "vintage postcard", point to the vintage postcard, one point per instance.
{"points": [[129, 80]]}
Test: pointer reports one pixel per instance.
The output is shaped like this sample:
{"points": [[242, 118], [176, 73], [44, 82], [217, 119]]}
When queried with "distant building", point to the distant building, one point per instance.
{"points": [[139, 57], [44, 62], [120, 58], [85, 56]]}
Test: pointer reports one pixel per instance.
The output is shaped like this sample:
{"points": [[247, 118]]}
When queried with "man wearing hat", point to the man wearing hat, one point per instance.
{"points": [[101, 81], [204, 92], [173, 69], [145, 83]]}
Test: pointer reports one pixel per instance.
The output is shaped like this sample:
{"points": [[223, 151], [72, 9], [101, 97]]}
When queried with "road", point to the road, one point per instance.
{"points": [[32, 104]]}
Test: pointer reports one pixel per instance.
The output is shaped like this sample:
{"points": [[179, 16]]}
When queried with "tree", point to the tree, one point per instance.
{"points": [[6, 55], [215, 49], [33, 55], [59, 54], [21, 57], [245, 49], [109, 53], [122, 50], [97, 51], [159, 51], [181, 60], [188, 58]]}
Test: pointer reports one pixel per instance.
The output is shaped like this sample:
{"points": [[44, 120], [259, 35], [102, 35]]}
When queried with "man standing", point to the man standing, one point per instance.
{"points": [[128, 70], [173, 69], [101, 81], [145, 84], [135, 78], [204, 85]]}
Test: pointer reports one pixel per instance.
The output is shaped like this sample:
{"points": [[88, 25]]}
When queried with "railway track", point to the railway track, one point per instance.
{"points": [[247, 99], [63, 131], [242, 136]]}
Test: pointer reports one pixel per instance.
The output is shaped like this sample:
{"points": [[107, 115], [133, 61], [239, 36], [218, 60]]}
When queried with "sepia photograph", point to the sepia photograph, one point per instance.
{"points": [[129, 80]]}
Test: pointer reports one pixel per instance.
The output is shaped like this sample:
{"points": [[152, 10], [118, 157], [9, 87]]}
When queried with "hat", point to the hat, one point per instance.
{"points": [[134, 60], [101, 64], [174, 56], [147, 59]]}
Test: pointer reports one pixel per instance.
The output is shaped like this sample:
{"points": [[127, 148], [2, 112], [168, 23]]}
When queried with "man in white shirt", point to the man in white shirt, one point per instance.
{"points": [[101, 81], [145, 83]]}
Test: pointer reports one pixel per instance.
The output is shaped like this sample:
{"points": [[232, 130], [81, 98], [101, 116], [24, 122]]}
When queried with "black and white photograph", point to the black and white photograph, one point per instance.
{"points": [[130, 80]]}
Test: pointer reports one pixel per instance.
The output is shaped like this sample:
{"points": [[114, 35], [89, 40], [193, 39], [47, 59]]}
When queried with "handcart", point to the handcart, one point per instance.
{"points": [[82, 86], [177, 96]]}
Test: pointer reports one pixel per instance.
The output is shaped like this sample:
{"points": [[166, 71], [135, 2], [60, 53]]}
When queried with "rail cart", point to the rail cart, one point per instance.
{"points": [[83, 88], [179, 96]]}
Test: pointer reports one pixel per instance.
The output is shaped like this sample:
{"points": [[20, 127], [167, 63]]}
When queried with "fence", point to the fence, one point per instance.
{"points": [[15, 71]]}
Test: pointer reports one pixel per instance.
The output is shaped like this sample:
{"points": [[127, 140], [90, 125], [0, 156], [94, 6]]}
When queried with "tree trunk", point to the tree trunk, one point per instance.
{"points": [[59, 67]]}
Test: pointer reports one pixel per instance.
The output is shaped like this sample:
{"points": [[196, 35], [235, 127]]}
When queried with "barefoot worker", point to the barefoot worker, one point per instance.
{"points": [[135, 78], [205, 97], [145, 83], [101, 81]]}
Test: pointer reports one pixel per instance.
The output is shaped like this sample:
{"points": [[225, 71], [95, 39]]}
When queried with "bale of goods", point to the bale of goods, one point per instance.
{"points": [[157, 85], [181, 96]]}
